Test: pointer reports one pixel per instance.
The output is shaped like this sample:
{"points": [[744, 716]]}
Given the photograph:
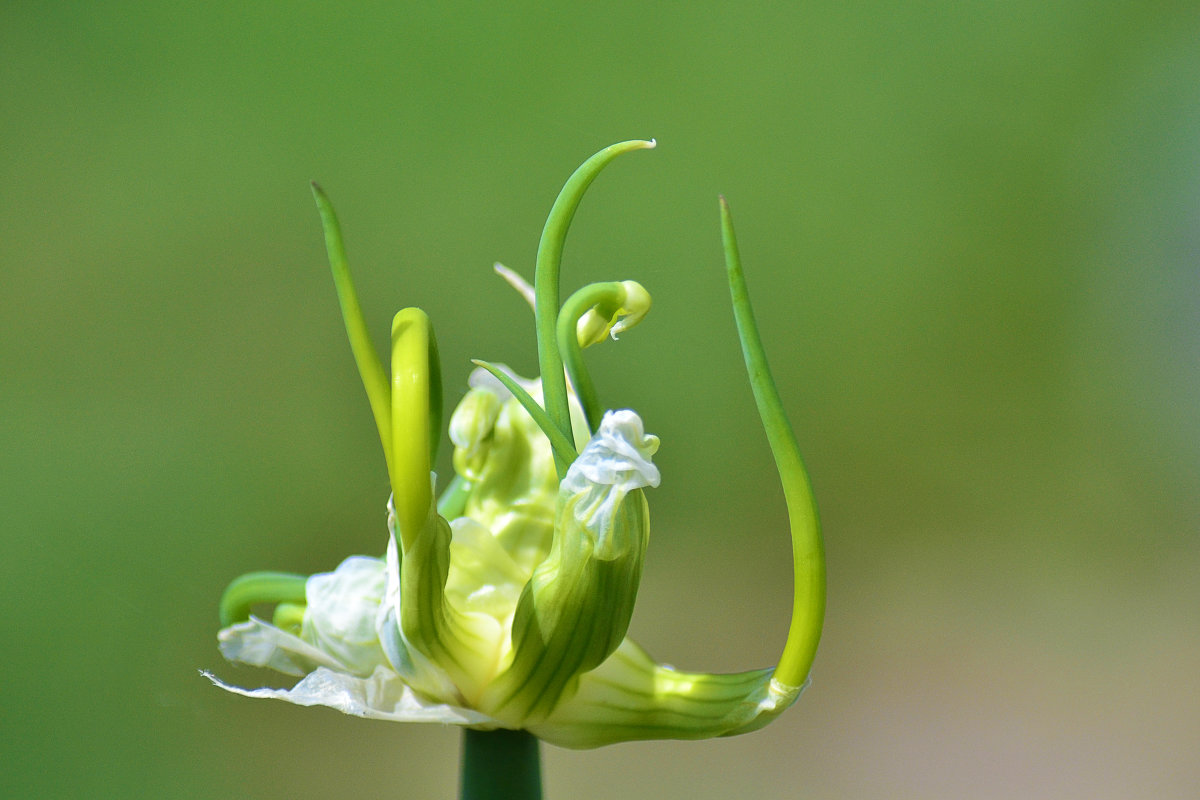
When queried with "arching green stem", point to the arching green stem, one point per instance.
{"points": [[808, 551], [545, 282], [561, 445], [415, 391], [370, 368], [259, 588]]}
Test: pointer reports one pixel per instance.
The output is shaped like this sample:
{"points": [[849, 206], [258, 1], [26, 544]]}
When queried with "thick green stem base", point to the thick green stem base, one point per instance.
{"points": [[500, 765]]}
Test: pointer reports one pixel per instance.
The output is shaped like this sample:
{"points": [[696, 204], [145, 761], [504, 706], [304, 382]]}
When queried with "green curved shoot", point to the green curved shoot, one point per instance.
{"points": [[413, 381], [546, 281], [808, 551], [370, 367], [259, 588]]}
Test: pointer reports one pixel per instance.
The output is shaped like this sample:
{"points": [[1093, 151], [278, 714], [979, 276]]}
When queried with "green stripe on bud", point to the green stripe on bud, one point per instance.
{"points": [[464, 646], [576, 608], [629, 697]]}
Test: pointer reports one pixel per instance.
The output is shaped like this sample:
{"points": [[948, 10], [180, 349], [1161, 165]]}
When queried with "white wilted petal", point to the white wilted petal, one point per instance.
{"points": [[338, 629], [614, 463], [381, 695], [341, 613], [618, 456], [261, 644]]}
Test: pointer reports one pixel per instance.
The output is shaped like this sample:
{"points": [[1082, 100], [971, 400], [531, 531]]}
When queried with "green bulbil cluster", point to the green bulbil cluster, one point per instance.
{"points": [[505, 601]]}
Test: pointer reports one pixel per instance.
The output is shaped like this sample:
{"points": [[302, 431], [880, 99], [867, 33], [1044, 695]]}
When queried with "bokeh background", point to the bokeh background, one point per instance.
{"points": [[972, 234]]}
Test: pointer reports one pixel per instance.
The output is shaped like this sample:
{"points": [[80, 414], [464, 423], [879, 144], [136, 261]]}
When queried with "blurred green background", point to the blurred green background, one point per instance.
{"points": [[972, 234]]}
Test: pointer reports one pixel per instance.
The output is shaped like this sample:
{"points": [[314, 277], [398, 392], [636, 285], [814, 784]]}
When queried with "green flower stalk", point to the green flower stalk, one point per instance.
{"points": [[504, 603]]}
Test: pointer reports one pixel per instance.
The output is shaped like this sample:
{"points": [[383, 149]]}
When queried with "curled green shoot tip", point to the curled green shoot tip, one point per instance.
{"points": [[259, 588], [416, 398], [808, 551], [602, 304], [563, 449], [546, 280], [370, 368]]}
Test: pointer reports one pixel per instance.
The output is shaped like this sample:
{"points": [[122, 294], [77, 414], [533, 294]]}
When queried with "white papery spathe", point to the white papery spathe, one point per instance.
{"points": [[382, 695], [338, 629], [354, 674], [614, 463]]}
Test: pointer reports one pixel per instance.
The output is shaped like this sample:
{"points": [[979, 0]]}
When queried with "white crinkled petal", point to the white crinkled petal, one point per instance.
{"points": [[338, 630], [618, 455], [382, 695], [615, 462], [341, 613], [261, 644]]}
